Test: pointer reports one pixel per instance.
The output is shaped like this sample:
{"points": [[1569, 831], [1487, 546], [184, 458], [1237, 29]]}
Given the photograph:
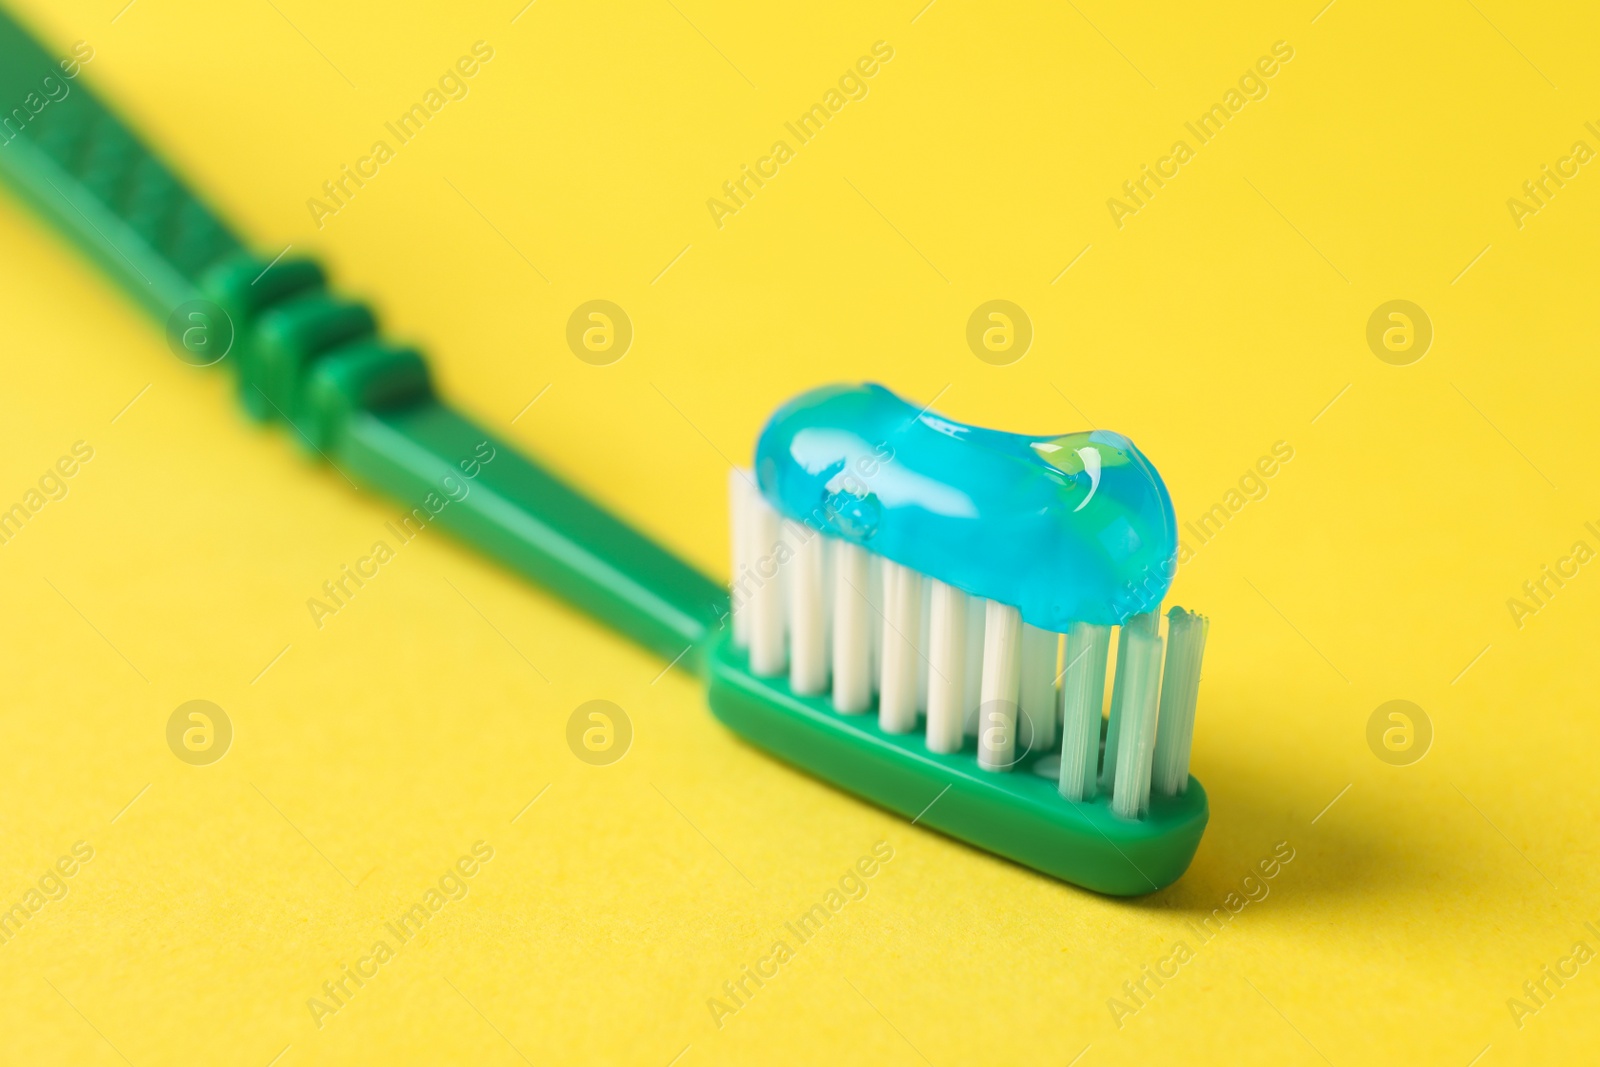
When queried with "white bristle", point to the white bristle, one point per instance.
{"points": [[1036, 695], [1180, 687], [1108, 759], [740, 488], [852, 628], [1130, 794], [808, 619], [897, 688], [947, 663], [768, 654], [1002, 662], [829, 585], [973, 690], [875, 630], [1146, 622], [1083, 690], [925, 615]]}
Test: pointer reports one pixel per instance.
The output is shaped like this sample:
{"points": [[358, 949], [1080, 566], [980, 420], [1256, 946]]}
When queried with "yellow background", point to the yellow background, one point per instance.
{"points": [[1222, 318]]}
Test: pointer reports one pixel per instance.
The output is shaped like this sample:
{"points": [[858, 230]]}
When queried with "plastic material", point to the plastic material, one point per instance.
{"points": [[425, 455]]}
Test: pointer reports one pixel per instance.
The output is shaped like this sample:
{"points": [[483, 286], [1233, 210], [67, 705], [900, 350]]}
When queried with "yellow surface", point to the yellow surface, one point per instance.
{"points": [[1218, 320]]}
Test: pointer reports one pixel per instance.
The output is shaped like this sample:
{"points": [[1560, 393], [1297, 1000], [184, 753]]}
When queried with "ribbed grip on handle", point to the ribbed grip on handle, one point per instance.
{"points": [[81, 168]]}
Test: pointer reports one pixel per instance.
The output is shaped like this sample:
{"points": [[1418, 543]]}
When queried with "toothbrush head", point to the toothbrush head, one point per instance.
{"points": [[964, 584]]}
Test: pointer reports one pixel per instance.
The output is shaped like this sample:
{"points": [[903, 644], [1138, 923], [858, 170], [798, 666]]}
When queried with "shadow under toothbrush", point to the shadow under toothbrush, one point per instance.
{"points": [[1335, 856]]}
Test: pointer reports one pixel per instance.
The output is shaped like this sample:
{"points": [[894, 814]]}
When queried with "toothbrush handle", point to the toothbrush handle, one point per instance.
{"points": [[451, 471], [305, 357]]}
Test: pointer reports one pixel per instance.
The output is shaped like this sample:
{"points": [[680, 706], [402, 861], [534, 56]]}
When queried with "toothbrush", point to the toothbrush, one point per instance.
{"points": [[973, 579], [946, 666]]}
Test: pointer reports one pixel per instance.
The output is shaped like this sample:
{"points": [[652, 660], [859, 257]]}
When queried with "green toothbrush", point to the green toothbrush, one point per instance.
{"points": [[1126, 822]]}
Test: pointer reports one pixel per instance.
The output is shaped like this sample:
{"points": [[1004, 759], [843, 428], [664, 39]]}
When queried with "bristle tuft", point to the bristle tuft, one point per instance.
{"points": [[808, 618], [972, 692], [1002, 667], [947, 662], [1083, 691], [1136, 624], [1130, 794], [902, 610], [1180, 690], [852, 629]]}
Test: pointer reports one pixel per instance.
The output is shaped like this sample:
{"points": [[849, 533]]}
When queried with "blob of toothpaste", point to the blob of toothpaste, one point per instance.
{"points": [[1065, 527]]}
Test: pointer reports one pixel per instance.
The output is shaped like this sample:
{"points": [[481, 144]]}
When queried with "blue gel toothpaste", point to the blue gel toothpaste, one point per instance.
{"points": [[1066, 527]]}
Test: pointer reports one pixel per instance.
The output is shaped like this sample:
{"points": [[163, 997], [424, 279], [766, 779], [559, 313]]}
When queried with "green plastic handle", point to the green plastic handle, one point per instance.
{"points": [[494, 498], [305, 357]]}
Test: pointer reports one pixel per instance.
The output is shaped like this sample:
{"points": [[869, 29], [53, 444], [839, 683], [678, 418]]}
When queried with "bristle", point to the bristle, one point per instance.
{"points": [[972, 692], [1083, 690], [1002, 662], [1108, 758], [740, 487], [852, 628], [947, 661], [1146, 622], [902, 608], [828, 583], [808, 620], [875, 629], [768, 652], [1036, 695], [1180, 688], [1130, 795], [924, 635]]}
